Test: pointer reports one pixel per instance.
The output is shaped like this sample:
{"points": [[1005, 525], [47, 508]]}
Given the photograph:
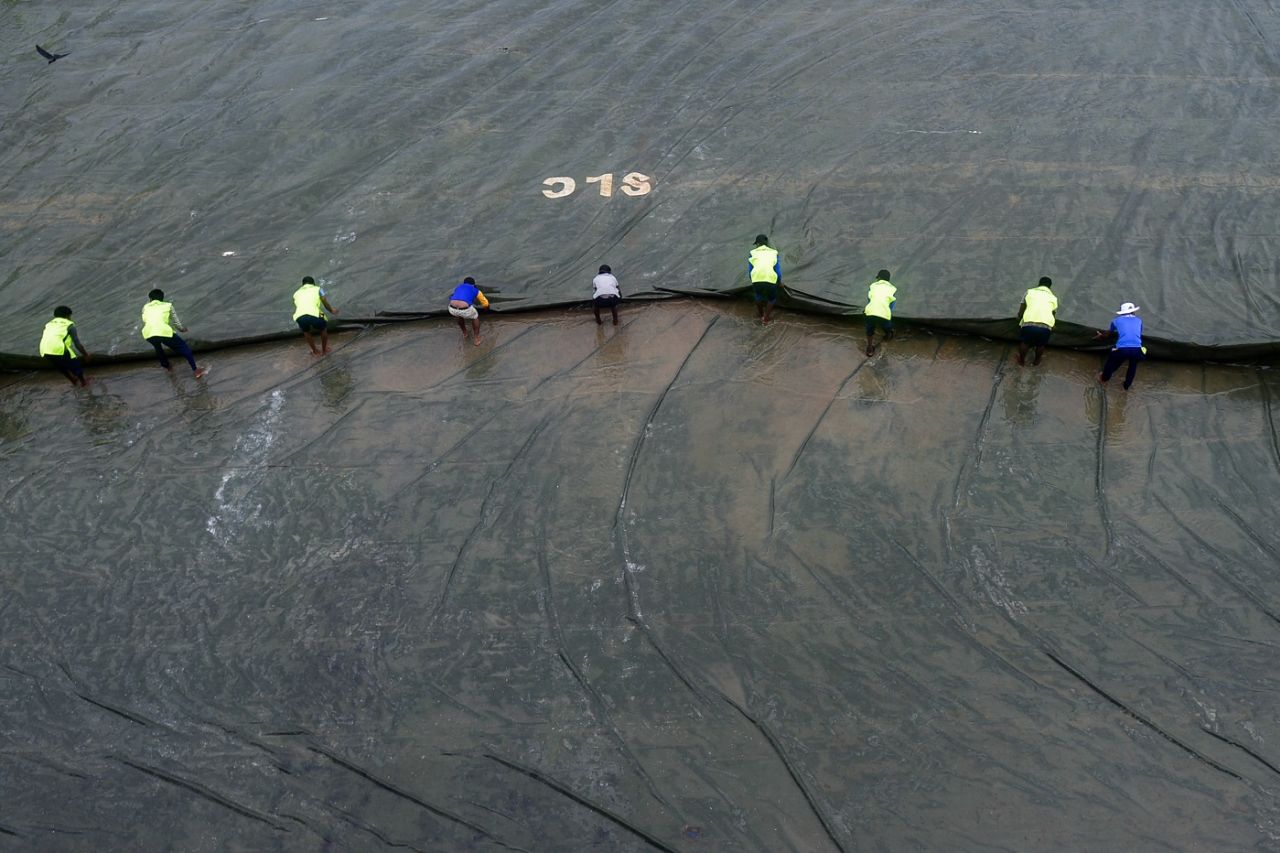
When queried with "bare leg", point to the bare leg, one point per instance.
{"points": [[1039, 355], [475, 328], [462, 324], [324, 339], [768, 313], [596, 308], [613, 309], [1022, 354], [871, 346], [760, 310], [311, 342]]}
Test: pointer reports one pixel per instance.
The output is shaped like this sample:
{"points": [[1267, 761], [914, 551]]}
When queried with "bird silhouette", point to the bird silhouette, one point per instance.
{"points": [[52, 57]]}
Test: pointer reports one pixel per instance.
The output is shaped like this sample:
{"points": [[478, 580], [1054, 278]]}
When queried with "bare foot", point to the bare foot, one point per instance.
{"points": [[871, 351], [201, 372], [615, 322], [477, 340], [1100, 379]]}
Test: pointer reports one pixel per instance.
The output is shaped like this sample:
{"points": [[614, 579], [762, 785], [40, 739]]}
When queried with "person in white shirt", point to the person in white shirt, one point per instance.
{"points": [[607, 294]]}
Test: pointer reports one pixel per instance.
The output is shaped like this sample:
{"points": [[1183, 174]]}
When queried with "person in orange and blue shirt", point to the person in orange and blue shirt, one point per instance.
{"points": [[462, 304]]}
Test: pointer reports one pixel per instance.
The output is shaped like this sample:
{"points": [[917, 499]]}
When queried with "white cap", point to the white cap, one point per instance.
{"points": [[1128, 308]]}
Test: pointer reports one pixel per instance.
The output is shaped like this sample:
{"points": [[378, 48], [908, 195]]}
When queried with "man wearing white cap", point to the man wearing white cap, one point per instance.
{"points": [[1126, 329]]}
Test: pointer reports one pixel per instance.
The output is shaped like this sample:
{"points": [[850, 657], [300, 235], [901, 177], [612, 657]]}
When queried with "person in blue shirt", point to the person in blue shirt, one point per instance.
{"points": [[1126, 331], [462, 304]]}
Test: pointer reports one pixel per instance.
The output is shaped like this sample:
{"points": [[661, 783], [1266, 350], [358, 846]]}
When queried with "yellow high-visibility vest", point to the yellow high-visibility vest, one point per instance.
{"points": [[155, 319], [880, 296], [763, 261], [56, 339], [1041, 303], [306, 302]]}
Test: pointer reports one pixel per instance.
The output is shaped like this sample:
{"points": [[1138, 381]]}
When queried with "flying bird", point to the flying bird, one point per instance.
{"points": [[52, 57]]}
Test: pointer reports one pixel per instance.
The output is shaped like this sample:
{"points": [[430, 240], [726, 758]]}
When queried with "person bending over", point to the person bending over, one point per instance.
{"points": [[1126, 332], [158, 320], [881, 297], [60, 346], [462, 304], [309, 305], [1037, 316], [606, 294], [766, 277]]}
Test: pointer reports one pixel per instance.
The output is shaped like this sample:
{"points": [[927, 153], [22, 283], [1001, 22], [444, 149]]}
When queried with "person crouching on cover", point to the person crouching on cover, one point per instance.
{"points": [[309, 304], [158, 320], [766, 277], [59, 343], [1126, 333], [881, 297], [1037, 314], [462, 304], [606, 294]]}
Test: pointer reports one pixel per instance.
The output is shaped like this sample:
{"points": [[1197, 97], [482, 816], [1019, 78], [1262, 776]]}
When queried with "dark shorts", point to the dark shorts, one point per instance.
{"points": [[65, 364], [763, 291], [873, 321], [1036, 336], [606, 301], [307, 323]]}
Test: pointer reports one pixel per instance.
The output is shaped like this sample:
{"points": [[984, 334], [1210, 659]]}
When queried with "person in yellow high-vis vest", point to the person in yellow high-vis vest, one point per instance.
{"points": [[60, 346], [1037, 316], [765, 271], [309, 305], [881, 297], [158, 320]]}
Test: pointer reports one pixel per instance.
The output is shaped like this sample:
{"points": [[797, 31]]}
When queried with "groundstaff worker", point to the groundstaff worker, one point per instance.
{"points": [[1037, 310], [158, 320], [309, 305], [766, 277], [59, 344]]}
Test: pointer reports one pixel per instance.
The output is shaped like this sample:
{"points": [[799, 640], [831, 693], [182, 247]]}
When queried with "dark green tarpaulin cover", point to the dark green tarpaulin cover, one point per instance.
{"points": [[687, 583]]}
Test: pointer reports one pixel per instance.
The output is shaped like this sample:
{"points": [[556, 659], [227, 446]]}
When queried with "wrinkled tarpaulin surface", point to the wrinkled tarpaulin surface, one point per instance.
{"points": [[571, 588], [391, 148], [584, 586]]}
